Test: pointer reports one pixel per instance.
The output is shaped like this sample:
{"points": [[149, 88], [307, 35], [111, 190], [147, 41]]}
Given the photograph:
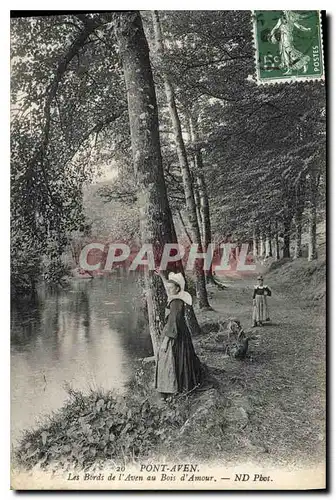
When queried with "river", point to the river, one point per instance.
{"points": [[87, 336]]}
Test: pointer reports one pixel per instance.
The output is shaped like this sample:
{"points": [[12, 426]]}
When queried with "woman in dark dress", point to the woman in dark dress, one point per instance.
{"points": [[178, 368], [260, 307]]}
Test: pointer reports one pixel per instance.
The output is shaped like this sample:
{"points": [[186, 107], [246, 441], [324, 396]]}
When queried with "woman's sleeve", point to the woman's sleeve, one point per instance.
{"points": [[175, 315], [254, 293], [268, 290]]}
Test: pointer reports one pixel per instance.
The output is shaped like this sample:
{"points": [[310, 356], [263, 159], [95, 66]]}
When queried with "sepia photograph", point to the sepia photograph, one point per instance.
{"points": [[168, 250]]}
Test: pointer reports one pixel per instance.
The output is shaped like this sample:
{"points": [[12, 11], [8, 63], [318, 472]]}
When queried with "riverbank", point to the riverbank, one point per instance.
{"points": [[268, 408]]}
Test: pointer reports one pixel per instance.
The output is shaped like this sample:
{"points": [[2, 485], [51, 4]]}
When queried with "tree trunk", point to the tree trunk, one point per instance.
{"points": [[286, 237], [314, 184], [262, 245], [156, 220], [204, 200], [205, 214], [183, 161], [203, 193], [198, 208], [184, 226], [255, 243], [312, 247], [155, 215], [277, 246], [299, 207], [269, 251], [298, 235]]}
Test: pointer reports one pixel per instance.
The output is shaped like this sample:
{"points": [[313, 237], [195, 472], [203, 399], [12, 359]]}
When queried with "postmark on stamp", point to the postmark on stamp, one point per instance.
{"points": [[288, 45]]}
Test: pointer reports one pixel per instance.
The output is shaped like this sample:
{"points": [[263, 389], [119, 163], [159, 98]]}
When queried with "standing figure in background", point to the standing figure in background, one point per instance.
{"points": [[260, 307], [178, 368]]}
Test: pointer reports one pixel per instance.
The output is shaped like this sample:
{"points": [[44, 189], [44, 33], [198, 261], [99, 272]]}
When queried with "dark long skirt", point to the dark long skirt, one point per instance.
{"points": [[188, 365]]}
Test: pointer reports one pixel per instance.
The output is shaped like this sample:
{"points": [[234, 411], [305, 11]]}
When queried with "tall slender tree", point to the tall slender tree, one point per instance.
{"points": [[183, 161], [202, 188], [313, 183], [298, 214]]}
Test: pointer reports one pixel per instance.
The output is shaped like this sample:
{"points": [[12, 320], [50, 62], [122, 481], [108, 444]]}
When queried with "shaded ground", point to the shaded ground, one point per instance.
{"points": [[281, 385]]}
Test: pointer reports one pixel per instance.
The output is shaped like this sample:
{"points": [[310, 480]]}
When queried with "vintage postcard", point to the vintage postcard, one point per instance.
{"points": [[168, 250]]}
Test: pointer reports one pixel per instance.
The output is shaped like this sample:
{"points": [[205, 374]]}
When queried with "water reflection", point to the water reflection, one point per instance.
{"points": [[87, 336]]}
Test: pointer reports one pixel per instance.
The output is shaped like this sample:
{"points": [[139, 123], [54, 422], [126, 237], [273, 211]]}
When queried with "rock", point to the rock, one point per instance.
{"points": [[238, 416], [201, 411]]}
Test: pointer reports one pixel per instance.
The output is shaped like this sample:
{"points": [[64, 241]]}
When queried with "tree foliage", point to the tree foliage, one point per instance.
{"points": [[263, 147]]}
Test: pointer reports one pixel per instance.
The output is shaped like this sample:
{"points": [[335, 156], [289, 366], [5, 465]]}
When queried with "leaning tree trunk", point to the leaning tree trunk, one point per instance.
{"points": [[183, 161], [184, 226]]}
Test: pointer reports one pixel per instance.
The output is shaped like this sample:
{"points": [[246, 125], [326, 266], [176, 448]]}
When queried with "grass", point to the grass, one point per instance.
{"points": [[268, 408], [91, 430], [306, 279]]}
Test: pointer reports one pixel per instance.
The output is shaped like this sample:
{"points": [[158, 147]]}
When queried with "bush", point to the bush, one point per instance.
{"points": [[25, 268], [54, 270]]}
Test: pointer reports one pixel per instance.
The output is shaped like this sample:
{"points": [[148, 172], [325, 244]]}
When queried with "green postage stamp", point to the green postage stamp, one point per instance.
{"points": [[288, 45]]}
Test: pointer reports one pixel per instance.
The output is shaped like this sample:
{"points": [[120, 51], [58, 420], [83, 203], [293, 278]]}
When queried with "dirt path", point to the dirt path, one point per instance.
{"points": [[280, 388]]}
